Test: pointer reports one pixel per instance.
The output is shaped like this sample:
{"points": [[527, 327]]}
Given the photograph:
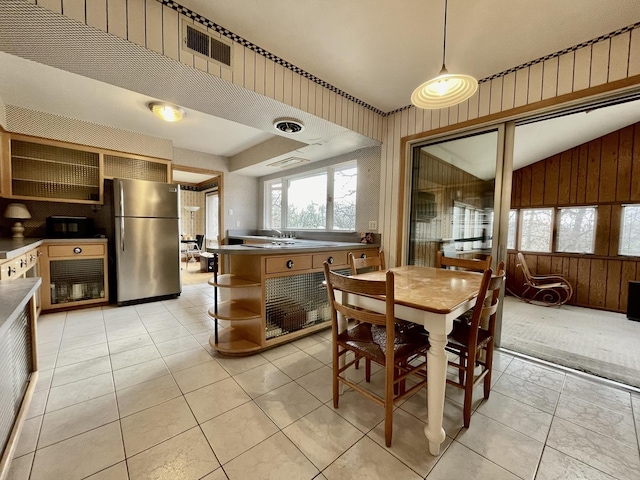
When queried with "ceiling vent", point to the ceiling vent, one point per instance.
{"points": [[287, 162], [288, 125], [199, 42]]}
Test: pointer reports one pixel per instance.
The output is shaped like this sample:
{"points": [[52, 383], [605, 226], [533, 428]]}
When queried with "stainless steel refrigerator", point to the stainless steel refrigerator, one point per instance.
{"points": [[146, 240]]}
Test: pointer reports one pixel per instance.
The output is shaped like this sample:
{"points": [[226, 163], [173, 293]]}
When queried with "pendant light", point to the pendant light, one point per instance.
{"points": [[447, 89]]}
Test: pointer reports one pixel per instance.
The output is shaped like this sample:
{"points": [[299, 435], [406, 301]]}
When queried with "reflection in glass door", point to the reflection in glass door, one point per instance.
{"points": [[452, 210]]}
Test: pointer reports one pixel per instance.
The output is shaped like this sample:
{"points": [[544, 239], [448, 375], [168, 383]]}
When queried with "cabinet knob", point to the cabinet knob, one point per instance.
{"points": [[77, 250], [289, 263], [330, 260]]}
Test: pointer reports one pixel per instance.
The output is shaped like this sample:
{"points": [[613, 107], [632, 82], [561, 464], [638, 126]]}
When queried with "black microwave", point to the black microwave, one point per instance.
{"points": [[69, 227]]}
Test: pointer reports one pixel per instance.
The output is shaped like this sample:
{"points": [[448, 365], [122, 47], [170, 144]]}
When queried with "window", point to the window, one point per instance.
{"points": [[274, 204], [320, 200], [345, 186], [536, 225], [472, 225], [307, 202], [576, 229], [630, 231], [511, 232]]}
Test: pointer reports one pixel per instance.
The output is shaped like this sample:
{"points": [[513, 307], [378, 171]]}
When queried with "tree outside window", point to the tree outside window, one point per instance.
{"points": [[320, 200], [535, 229], [630, 231], [576, 229]]}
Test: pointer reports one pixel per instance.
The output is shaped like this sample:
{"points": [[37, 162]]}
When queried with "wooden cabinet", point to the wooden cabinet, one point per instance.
{"points": [[39, 169], [25, 265], [273, 298], [74, 274], [48, 170], [135, 167]]}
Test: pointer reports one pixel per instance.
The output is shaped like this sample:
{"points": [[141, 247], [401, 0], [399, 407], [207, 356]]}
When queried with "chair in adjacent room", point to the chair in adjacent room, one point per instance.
{"points": [[473, 343], [552, 290], [375, 338], [192, 249]]}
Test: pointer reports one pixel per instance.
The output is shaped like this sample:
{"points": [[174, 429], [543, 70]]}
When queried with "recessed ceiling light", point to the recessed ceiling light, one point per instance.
{"points": [[166, 111], [288, 125]]}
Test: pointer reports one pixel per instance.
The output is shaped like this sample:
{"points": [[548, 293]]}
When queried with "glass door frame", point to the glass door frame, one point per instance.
{"points": [[502, 191]]}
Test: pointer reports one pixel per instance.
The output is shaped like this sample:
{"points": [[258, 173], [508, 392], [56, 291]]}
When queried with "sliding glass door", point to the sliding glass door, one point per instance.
{"points": [[455, 197]]}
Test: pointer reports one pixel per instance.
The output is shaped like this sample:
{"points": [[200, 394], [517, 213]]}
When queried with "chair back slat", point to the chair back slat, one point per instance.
{"points": [[366, 264], [487, 301], [471, 264], [522, 263], [337, 283]]}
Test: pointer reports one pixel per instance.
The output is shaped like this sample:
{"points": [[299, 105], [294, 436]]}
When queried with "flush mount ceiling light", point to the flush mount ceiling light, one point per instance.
{"points": [[166, 111], [447, 89], [287, 162], [288, 125]]}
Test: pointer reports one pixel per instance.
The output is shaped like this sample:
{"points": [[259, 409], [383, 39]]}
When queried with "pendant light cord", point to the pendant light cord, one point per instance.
{"points": [[444, 40]]}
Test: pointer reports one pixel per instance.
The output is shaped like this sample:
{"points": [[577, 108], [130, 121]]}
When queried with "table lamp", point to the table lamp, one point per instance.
{"points": [[19, 212], [192, 209]]}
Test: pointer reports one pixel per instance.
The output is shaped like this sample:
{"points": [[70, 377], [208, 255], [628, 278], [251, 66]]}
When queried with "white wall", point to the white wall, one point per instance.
{"points": [[239, 192]]}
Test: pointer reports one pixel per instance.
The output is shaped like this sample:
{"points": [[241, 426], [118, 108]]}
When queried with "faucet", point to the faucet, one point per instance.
{"points": [[278, 232]]}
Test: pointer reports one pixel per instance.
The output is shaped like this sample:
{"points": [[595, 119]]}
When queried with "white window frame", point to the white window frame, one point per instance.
{"points": [[284, 182], [621, 249]]}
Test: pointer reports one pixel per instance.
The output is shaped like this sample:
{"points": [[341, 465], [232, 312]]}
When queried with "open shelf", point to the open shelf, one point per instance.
{"points": [[229, 280], [233, 342], [233, 310]]}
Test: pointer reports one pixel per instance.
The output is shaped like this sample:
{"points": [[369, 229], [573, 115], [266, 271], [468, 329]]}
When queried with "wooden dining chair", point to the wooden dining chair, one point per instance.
{"points": [[473, 342], [470, 264], [366, 264], [375, 338]]}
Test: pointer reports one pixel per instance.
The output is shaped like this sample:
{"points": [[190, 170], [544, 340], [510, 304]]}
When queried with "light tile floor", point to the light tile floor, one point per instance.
{"points": [[136, 392]]}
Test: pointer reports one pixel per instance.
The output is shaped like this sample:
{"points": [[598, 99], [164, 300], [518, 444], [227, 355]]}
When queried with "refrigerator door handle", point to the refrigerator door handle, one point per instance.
{"points": [[121, 217], [122, 233], [121, 199]]}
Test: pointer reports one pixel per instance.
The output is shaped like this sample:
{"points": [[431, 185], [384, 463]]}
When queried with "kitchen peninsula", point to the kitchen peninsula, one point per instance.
{"points": [[273, 291]]}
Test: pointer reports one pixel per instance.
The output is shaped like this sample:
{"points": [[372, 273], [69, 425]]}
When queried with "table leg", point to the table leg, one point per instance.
{"points": [[436, 383]]}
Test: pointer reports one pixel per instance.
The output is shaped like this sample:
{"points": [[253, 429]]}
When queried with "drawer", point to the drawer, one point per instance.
{"points": [[335, 259], [91, 250], [292, 263], [13, 268], [32, 257]]}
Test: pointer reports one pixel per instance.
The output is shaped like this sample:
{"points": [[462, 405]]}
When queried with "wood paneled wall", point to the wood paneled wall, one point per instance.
{"points": [[602, 173]]}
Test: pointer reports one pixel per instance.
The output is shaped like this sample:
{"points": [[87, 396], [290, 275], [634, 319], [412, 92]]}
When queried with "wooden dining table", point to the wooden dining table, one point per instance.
{"points": [[432, 297]]}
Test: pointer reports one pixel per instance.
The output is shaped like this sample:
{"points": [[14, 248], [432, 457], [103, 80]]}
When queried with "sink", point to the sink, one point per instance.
{"points": [[270, 245], [289, 244]]}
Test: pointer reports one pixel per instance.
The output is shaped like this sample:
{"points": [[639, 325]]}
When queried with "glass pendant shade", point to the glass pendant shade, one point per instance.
{"points": [[445, 90]]}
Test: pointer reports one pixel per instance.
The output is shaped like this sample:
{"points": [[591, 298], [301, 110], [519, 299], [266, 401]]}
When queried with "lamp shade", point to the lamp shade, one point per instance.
{"points": [[192, 208], [445, 90], [17, 210]]}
